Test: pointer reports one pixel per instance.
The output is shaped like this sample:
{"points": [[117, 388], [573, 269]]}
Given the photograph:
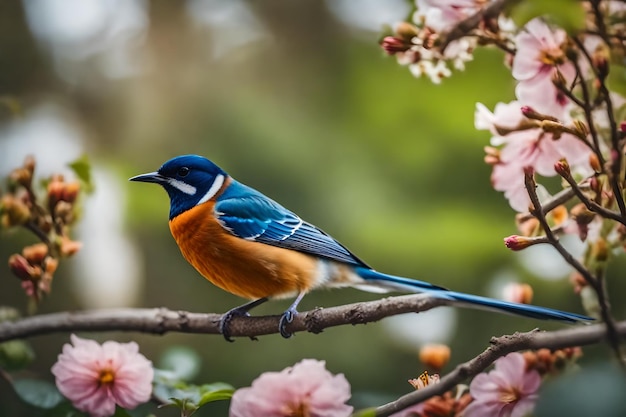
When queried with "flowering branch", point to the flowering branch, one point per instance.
{"points": [[501, 346], [464, 27], [595, 282], [162, 320]]}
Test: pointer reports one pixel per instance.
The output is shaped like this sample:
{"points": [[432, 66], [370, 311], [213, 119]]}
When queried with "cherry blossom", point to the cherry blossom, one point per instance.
{"points": [[306, 389], [507, 391], [540, 54], [96, 377], [525, 145]]}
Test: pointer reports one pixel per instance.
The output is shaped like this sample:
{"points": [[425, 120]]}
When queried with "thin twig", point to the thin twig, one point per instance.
{"points": [[501, 346], [605, 312], [592, 205], [465, 26]]}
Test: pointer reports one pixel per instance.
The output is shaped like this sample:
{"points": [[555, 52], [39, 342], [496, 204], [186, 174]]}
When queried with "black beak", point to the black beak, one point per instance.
{"points": [[154, 177]]}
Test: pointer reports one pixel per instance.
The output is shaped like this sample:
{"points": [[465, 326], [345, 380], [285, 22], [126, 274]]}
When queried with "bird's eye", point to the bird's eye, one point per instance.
{"points": [[183, 172]]}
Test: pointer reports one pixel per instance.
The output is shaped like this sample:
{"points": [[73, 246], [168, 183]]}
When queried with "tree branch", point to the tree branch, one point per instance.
{"points": [[465, 26], [162, 320], [501, 346]]}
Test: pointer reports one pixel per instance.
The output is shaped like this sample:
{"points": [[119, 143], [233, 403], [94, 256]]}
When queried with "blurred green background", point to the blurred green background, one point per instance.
{"points": [[297, 100]]}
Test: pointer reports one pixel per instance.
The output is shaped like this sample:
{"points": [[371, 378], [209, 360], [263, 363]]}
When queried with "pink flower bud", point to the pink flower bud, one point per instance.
{"points": [[21, 268], [517, 243], [392, 45], [562, 168]]}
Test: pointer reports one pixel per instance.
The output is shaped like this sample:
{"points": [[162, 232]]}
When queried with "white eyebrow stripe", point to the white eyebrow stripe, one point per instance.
{"points": [[215, 187], [182, 186]]}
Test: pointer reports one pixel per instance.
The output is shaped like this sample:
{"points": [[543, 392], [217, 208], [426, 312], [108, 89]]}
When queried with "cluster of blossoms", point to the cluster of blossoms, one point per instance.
{"points": [[565, 121], [98, 377], [511, 389], [50, 222]]}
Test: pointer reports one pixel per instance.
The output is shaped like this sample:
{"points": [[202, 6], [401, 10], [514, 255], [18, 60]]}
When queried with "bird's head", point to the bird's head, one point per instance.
{"points": [[188, 179]]}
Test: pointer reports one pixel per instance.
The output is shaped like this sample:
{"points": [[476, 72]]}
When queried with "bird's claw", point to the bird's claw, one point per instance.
{"points": [[286, 319], [227, 317]]}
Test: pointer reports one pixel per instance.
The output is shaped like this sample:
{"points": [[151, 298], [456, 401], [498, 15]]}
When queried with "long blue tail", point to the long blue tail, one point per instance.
{"points": [[392, 282]]}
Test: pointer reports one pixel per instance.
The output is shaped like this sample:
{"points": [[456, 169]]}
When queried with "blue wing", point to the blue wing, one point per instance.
{"points": [[248, 214]]}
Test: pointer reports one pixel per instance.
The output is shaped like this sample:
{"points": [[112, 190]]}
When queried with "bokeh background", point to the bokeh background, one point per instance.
{"points": [[297, 100]]}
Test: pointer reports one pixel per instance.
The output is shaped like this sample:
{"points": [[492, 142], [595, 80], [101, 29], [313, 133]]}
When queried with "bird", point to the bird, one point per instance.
{"points": [[249, 245]]}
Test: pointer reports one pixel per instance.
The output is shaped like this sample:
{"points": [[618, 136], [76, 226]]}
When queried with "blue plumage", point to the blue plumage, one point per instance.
{"points": [[248, 214], [241, 211]]}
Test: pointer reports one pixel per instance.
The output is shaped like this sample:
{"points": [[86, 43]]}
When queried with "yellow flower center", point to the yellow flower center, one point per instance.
{"points": [[297, 410], [552, 57], [510, 395], [106, 377]]}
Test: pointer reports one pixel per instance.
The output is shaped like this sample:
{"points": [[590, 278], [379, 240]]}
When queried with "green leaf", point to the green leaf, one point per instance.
{"points": [[37, 392], [82, 169], [15, 355], [568, 14], [219, 395]]}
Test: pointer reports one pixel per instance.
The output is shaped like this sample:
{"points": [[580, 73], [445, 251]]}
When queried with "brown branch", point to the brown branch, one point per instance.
{"points": [[594, 281], [162, 320], [501, 346], [465, 26]]}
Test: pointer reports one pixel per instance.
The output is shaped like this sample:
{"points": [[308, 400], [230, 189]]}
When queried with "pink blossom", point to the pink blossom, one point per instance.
{"points": [[306, 389], [539, 55], [507, 391], [441, 15], [97, 377], [525, 148]]}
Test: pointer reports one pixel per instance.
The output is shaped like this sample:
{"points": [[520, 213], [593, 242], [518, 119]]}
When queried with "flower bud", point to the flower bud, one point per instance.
{"points": [[594, 162], [70, 191], [64, 211], [562, 168], [36, 253], [392, 45], [581, 128], [406, 31], [21, 268], [51, 265], [435, 356], [21, 176], [69, 247], [55, 192], [531, 113], [17, 213], [516, 292], [517, 243]]}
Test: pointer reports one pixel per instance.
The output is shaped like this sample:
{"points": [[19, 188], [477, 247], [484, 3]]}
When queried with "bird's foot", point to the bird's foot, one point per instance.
{"points": [[241, 311], [286, 319]]}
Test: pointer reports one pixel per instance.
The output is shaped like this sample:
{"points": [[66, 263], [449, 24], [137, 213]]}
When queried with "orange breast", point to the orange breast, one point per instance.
{"points": [[248, 269]]}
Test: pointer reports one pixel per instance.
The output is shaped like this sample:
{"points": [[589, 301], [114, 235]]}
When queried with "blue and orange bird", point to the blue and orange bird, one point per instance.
{"points": [[251, 246]]}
